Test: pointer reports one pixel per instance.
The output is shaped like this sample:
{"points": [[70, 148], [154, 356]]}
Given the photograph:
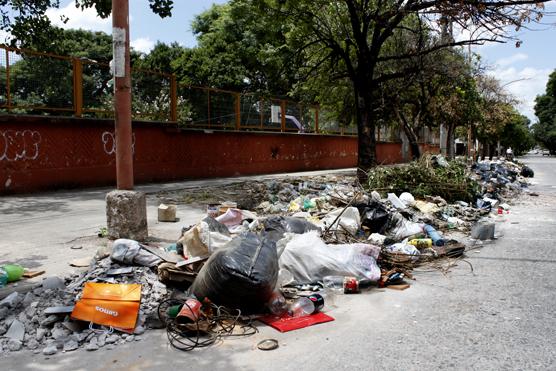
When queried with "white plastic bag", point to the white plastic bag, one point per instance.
{"points": [[350, 220], [404, 248], [309, 259]]}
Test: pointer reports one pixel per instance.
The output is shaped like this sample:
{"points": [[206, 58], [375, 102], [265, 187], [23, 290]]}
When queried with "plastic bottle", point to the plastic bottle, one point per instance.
{"points": [[437, 240], [305, 306], [345, 284], [14, 272], [277, 303], [3, 278], [421, 243]]}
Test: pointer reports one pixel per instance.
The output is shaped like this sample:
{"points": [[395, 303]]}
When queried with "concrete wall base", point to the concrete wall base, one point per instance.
{"points": [[126, 215]]}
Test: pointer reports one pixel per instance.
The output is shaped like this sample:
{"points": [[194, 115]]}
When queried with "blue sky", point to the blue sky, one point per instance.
{"points": [[530, 64]]}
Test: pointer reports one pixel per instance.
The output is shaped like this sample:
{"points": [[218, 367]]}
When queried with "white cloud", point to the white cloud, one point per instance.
{"points": [[142, 44], [525, 84], [86, 19], [503, 62]]}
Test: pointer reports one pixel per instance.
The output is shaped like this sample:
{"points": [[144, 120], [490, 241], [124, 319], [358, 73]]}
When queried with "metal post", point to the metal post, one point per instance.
{"points": [[238, 111], [8, 93], [173, 98], [77, 87], [283, 116], [122, 94]]}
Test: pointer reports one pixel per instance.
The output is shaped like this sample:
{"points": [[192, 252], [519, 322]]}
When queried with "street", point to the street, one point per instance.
{"points": [[495, 312]]}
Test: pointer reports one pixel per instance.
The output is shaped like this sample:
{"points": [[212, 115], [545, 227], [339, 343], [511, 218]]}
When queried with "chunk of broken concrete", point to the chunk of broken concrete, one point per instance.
{"points": [[50, 350], [70, 345], [53, 283], [59, 310], [14, 345], [10, 300], [49, 320], [16, 331], [166, 213]]}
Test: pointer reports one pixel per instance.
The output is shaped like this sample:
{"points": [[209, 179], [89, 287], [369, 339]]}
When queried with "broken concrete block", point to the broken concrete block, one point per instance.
{"points": [[166, 213], [70, 345], [40, 334], [10, 300], [50, 350], [3, 312], [126, 215], [49, 320], [14, 345], [32, 344], [59, 310], [53, 283], [93, 345], [16, 331]]}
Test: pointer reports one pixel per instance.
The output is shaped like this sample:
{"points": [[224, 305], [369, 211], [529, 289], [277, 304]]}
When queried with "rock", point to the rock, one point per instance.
{"points": [[91, 347], [101, 340], [138, 338], [14, 345], [32, 344], [59, 333], [139, 330], [28, 299], [31, 309], [166, 213], [50, 350], [70, 345], [3, 312], [40, 334], [16, 331], [53, 283], [3, 329], [112, 339], [130, 338], [49, 320], [10, 300], [126, 214]]}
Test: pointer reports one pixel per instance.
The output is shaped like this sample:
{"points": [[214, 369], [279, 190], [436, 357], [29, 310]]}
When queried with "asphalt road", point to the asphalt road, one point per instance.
{"points": [[499, 315]]}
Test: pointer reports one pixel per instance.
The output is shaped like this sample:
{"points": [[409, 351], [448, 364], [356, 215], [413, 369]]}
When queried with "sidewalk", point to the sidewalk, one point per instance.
{"points": [[39, 230]]}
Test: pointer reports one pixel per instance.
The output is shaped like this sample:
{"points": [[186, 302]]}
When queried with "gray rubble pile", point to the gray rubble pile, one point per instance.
{"points": [[39, 320]]}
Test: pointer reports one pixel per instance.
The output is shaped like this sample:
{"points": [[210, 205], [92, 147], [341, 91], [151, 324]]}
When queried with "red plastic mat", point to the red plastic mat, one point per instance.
{"points": [[287, 323]]}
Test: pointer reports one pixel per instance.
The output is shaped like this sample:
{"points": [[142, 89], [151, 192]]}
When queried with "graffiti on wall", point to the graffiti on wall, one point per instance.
{"points": [[16, 145], [109, 141]]}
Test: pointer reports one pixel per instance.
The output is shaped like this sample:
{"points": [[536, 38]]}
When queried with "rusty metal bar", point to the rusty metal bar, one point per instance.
{"points": [[208, 107], [173, 98], [77, 87], [238, 111], [283, 117], [8, 83]]}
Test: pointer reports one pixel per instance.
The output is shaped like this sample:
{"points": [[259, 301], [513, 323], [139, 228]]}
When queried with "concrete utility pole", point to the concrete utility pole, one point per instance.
{"points": [[122, 94], [126, 210]]}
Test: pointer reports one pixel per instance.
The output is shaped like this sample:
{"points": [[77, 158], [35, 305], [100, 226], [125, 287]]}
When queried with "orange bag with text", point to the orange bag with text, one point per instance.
{"points": [[109, 304]]}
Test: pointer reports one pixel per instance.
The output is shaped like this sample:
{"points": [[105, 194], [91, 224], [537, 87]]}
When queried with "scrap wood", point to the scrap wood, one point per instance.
{"points": [[31, 274], [399, 287]]}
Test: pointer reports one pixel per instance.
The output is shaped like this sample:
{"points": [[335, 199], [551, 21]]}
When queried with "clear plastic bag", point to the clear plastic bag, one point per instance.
{"points": [[309, 259]]}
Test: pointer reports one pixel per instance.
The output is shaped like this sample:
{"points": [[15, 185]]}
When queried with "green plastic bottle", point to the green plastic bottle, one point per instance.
{"points": [[14, 271]]}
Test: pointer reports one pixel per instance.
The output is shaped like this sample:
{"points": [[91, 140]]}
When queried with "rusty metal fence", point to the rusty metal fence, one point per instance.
{"points": [[33, 82]]}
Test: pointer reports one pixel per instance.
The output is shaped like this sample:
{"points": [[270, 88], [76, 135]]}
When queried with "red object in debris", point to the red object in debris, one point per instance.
{"points": [[500, 211], [287, 323]]}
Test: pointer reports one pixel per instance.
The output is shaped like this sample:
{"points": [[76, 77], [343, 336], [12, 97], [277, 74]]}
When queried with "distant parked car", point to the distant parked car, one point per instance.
{"points": [[545, 152]]}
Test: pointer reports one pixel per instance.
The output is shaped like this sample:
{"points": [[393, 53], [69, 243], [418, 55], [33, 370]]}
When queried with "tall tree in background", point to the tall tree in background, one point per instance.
{"points": [[354, 35], [545, 110]]}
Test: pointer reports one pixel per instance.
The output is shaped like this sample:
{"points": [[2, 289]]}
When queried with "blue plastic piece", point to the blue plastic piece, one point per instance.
{"points": [[437, 240]]}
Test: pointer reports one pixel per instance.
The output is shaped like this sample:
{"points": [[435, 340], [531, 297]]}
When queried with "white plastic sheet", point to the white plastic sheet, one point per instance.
{"points": [[310, 259]]}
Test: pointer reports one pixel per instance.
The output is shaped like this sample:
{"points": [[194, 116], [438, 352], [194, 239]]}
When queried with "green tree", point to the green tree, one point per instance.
{"points": [[545, 110], [353, 36]]}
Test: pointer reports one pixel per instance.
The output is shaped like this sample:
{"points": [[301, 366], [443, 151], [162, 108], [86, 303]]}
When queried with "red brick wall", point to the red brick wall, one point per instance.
{"points": [[38, 153]]}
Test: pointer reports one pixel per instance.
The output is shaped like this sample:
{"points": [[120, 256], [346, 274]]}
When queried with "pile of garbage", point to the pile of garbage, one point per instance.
{"points": [[280, 263]]}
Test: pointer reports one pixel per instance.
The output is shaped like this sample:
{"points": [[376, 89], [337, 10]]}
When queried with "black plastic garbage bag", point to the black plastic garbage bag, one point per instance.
{"points": [[527, 172], [276, 226], [373, 216], [240, 276]]}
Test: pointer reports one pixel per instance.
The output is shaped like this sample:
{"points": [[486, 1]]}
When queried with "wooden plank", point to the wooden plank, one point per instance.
{"points": [[31, 274]]}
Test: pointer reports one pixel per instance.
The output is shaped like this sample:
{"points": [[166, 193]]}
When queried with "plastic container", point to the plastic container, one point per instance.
{"points": [[437, 240], [302, 307], [14, 271], [421, 243], [3, 278], [277, 303], [344, 284]]}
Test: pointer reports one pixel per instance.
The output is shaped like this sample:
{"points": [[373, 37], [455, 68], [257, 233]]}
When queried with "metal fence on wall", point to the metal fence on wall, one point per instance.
{"points": [[32, 82]]}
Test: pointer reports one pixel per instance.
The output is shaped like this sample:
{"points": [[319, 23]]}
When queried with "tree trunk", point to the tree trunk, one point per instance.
{"points": [[450, 141], [366, 135], [411, 136]]}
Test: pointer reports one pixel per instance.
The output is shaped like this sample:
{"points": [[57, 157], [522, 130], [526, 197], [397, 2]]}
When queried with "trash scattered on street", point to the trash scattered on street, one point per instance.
{"points": [[279, 251]]}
